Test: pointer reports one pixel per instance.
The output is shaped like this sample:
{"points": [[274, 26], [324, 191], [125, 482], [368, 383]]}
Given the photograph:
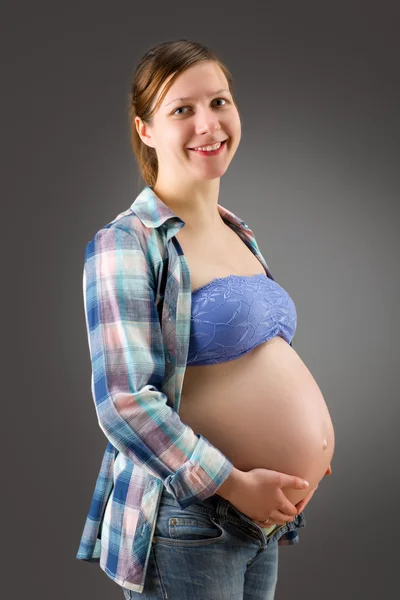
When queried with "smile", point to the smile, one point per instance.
{"points": [[209, 150]]}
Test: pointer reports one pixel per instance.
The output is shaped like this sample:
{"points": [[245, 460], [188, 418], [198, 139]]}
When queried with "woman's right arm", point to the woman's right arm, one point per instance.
{"points": [[128, 365], [231, 486]]}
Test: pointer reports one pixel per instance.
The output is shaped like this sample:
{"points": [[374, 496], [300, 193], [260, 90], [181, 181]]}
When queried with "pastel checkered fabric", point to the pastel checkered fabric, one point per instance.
{"points": [[137, 301]]}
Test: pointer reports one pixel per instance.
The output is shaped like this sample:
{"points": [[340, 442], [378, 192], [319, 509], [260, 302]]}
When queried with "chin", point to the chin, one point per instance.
{"points": [[211, 175]]}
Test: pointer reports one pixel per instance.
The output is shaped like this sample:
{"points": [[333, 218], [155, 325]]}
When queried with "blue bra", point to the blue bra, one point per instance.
{"points": [[234, 314]]}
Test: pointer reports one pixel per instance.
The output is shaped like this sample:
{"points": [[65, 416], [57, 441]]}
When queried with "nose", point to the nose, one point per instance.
{"points": [[207, 121]]}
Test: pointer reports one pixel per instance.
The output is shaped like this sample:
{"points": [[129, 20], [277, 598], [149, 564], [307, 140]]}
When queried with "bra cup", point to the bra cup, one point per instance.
{"points": [[234, 314]]}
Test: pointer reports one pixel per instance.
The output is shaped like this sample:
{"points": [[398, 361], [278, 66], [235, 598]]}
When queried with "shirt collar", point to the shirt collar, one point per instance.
{"points": [[152, 211]]}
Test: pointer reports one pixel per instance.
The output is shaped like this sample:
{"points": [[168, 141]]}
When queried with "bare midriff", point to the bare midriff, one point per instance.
{"points": [[263, 409]]}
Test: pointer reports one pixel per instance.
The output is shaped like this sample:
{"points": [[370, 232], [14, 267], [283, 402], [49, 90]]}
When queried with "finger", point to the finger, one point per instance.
{"points": [[288, 511], [301, 505], [284, 506], [284, 480], [297, 483], [288, 517], [310, 495], [279, 519], [282, 517], [269, 524]]}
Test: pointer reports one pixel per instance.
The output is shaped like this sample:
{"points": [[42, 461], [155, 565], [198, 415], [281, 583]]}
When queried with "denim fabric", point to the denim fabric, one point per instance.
{"points": [[211, 551]]}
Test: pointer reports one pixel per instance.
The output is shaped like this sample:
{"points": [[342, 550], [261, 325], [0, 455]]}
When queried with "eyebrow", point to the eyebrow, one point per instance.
{"points": [[185, 98]]}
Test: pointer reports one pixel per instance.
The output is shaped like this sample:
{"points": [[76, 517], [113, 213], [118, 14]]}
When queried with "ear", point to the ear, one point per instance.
{"points": [[144, 132]]}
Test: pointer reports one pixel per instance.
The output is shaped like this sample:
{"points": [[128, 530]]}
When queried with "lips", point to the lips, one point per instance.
{"points": [[205, 145]]}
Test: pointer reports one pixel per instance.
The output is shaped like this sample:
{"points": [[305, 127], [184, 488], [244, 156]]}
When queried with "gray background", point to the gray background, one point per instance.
{"points": [[316, 177]]}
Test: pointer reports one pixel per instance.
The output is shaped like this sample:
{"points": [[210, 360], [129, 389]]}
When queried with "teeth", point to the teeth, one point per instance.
{"points": [[217, 145]]}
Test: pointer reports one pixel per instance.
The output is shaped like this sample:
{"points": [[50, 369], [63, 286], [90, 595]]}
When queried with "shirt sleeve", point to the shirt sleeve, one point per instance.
{"points": [[127, 358]]}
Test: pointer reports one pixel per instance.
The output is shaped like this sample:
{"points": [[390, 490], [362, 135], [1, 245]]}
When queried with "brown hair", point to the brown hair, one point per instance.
{"points": [[154, 68]]}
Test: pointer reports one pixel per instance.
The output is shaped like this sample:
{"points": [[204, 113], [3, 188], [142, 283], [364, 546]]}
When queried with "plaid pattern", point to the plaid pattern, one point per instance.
{"points": [[137, 301]]}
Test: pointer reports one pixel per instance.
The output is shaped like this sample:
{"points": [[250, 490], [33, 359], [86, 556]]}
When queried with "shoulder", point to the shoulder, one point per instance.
{"points": [[138, 246], [126, 230]]}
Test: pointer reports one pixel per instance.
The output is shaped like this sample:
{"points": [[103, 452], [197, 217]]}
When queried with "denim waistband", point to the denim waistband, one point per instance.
{"points": [[228, 510]]}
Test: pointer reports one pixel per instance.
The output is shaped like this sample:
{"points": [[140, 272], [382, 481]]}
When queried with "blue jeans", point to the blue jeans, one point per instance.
{"points": [[210, 551]]}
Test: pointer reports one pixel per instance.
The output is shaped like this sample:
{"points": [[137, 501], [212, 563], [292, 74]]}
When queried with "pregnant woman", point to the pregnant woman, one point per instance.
{"points": [[213, 420]]}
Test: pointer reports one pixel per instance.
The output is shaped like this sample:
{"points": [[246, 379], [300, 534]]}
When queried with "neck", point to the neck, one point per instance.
{"points": [[194, 204]]}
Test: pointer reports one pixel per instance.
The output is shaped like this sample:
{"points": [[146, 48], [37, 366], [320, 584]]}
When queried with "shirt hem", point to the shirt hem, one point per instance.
{"points": [[135, 587]]}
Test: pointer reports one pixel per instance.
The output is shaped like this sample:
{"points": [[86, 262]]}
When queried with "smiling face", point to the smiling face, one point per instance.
{"points": [[207, 114]]}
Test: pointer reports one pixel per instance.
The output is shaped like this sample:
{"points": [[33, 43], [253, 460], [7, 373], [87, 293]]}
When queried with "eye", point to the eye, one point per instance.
{"points": [[182, 107]]}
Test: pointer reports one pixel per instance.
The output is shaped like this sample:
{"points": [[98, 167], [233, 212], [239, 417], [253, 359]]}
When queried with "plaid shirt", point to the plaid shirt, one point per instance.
{"points": [[137, 300]]}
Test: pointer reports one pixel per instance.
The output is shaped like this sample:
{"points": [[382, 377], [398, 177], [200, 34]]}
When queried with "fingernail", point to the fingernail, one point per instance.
{"points": [[305, 483]]}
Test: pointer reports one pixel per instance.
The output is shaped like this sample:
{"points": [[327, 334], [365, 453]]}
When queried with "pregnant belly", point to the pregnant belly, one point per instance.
{"points": [[263, 409]]}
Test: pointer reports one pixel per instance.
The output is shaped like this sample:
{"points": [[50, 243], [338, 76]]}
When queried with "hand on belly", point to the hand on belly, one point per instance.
{"points": [[282, 449], [263, 410], [251, 439]]}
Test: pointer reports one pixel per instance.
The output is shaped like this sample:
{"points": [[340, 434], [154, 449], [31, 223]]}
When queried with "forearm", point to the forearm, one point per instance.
{"points": [[230, 486]]}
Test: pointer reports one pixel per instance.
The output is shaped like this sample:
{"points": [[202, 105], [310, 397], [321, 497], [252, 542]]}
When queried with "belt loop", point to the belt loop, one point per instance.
{"points": [[222, 510]]}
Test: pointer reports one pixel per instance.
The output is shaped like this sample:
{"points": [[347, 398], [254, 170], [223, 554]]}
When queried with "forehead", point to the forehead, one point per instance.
{"points": [[202, 79]]}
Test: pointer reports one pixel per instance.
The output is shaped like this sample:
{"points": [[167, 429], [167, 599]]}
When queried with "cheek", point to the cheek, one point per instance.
{"points": [[234, 128], [238, 126], [173, 145], [180, 139]]}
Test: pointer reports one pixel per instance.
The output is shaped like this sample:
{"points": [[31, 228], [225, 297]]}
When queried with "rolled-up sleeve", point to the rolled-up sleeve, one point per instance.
{"points": [[127, 358]]}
